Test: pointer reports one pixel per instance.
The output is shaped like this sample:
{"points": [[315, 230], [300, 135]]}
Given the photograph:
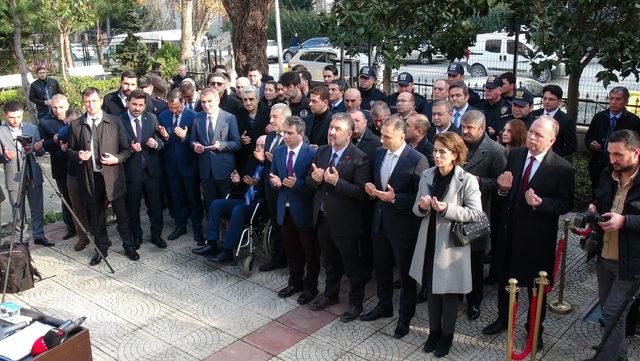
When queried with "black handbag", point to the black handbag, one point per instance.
{"points": [[464, 233]]}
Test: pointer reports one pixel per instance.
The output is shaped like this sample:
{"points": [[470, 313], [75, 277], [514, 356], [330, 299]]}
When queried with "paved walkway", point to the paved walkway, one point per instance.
{"points": [[172, 305]]}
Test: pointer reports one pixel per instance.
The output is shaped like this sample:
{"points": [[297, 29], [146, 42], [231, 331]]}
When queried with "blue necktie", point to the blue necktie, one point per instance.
{"points": [[250, 193], [612, 128]]}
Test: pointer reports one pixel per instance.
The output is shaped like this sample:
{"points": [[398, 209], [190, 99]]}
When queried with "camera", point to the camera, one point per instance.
{"points": [[24, 140], [592, 242]]}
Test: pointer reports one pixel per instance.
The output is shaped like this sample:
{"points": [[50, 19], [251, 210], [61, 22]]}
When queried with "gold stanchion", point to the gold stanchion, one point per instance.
{"points": [[559, 306], [541, 281], [512, 288]]}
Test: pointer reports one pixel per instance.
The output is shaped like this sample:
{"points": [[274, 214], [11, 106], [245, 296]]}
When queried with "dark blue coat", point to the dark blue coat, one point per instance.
{"points": [[178, 157], [300, 197]]}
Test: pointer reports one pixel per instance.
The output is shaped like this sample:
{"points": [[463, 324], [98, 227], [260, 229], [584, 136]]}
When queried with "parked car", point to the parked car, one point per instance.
{"points": [[288, 53], [494, 52], [77, 53], [272, 50], [315, 59], [419, 55]]}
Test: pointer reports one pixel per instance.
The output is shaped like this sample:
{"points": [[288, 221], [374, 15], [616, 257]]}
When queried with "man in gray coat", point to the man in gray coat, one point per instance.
{"points": [[486, 160], [13, 164]]}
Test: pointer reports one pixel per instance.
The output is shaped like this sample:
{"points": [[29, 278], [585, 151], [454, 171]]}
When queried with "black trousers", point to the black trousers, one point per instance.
{"points": [[186, 199], [366, 246], [98, 219], [151, 189], [303, 252], [340, 255], [213, 189], [278, 255], [477, 269], [402, 251], [64, 190]]}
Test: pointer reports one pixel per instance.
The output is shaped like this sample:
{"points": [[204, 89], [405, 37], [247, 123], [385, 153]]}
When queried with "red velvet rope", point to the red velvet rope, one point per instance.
{"points": [[562, 243]]}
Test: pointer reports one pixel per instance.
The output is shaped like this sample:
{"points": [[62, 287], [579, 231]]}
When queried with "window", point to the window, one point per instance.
{"points": [[493, 46], [522, 49], [314, 56]]}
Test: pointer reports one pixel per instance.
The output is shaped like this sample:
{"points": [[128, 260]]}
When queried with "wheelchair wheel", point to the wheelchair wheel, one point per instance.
{"points": [[246, 265], [267, 244]]}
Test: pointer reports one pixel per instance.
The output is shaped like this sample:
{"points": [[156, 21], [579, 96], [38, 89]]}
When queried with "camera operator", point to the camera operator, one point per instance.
{"points": [[618, 199]]}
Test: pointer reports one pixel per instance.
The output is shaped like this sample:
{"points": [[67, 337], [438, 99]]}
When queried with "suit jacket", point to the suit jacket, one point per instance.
{"points": [[48, 128], [112, 104], [300, 197], [230, 103], [431, 134], [317, 127], [342, 202], [404, 180], [369, 143], [11, 175], [598, 130], [254, 131], [340, 108], [566, 143], [527, 241], [425, 147], [112, 138], [135, 166], [178, 157], [220, 163], [271, 195]]}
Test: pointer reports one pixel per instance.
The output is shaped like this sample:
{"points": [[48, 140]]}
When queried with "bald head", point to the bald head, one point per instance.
{"points": [[352, 99], [241, 82]]}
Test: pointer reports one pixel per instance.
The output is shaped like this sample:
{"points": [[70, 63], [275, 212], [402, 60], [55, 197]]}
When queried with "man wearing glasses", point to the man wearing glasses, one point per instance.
{"points": [[565, 144], [220, 82]]}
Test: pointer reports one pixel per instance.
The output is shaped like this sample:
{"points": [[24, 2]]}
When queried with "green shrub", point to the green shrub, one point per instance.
{"points": [[582, 191], [169, 58], [12, 95], [76, 84]]}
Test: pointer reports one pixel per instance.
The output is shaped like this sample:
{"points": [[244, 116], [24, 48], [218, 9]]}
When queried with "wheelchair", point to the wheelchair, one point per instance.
{"points": [[258, 230]]}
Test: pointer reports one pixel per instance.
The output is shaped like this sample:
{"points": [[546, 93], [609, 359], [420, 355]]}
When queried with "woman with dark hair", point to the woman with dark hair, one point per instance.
{"points": [[514, 134], [446, 194], [270, 96]]}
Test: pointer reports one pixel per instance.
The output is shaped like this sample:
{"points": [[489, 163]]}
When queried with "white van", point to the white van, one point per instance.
{"points": [[493, 53]]}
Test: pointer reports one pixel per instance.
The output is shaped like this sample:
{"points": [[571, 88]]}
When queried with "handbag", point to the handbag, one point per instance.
{"points": [[464, 233]]}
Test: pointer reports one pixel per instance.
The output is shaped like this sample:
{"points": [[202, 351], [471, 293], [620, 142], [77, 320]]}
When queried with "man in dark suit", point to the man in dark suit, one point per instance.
{"points": [[417, 129], [317, 123], [339, 173], [180, 165], [230, 103], [459, 98], [99, 142], [565, 144], [337, 87], [486, 160], [290, 166], [362, 136], [396, 172], [215, 138], [279, 112], [143, 170], [537, 187], [405, 85], [603, 124], [116, 103], [442, 121], [252, 119], [48, 128]]}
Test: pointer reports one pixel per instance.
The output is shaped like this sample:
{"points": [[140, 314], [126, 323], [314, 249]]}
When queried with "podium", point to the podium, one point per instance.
{"points": [[76, 348]]}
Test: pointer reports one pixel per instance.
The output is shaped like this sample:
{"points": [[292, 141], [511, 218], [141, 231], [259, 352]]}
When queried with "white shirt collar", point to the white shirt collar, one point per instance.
{"points": [[295, 150], [398, 151], [552, 113], [538, 157]]}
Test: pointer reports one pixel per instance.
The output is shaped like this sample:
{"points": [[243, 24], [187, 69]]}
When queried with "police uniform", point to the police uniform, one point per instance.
{"points": [[301, 108], [420, 101], [522, 97], [497, 114], [371, 95]]}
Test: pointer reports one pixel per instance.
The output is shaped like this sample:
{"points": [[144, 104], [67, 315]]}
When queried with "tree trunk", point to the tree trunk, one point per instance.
{"points": [[249, 19], [99, 42], [67, 51], [186, 24], [62, 62], [17, 51], [573, 94], [386, 79]]}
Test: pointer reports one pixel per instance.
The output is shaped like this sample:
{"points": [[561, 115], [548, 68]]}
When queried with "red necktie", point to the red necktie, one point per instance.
{"points": [[524, 183]]}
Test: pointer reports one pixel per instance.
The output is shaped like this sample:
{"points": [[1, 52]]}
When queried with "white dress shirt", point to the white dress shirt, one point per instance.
{"points": [[388, 165], [90, 120], [537, 161]]}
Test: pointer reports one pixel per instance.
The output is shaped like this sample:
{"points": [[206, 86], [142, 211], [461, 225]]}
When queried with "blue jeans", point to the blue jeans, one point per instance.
{"points": [[239, 214]]}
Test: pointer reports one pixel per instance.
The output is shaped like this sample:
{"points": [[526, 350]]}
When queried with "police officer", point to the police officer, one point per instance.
{"points": [[159, 104], [366, 84], [455, 72], [405, 85], [522, 105], [496, 110]]}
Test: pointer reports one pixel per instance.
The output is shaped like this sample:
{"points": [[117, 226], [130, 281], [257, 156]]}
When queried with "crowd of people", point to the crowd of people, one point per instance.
{"points": [[352, 179]]}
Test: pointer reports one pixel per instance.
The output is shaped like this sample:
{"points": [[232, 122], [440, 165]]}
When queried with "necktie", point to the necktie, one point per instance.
{"points": [[456, 119], [176, 120], [524, 182], [385, 170], [139, 139], [334, 157], [290, 164], [210, 130], [274, 144], [612, 128], [94, 141]]}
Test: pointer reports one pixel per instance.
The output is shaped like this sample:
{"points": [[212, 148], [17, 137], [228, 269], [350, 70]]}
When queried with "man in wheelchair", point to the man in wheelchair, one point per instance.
{"points": [[239, 205]]}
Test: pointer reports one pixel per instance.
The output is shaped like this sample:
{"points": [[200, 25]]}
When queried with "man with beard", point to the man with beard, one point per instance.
{"points": [[115, 103], [317, 123], [298, 103]]}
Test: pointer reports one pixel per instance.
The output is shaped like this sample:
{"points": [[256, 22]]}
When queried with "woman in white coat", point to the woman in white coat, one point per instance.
{"points": [[437, 263]]}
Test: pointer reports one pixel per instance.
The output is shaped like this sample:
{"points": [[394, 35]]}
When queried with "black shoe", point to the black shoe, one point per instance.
{"points": [[96, 259], [43, 242], [289, 291], [131, 252], [489, 280], [159, 242], [540, 342], [211, 247], [272, 266], [136, 242], [376, 313], [432, 341], [306, 296], [223, 256], [444, 344], [473, 312], [397, 285], [402, 329], [423, 295], [323, 302], [179, 231], [69, 234], [495, 327], [351, 314]]}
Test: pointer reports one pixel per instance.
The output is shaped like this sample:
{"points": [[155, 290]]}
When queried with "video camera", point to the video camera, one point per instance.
{"points": [[591, 241], [24, 140]]}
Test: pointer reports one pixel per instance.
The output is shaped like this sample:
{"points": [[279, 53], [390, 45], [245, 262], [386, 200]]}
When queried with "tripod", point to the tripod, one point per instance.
{"points": [[26, 179]]}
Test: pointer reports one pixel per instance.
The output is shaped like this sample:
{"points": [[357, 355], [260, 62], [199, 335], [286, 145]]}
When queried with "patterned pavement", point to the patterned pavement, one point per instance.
{"points": [[173, 305]]}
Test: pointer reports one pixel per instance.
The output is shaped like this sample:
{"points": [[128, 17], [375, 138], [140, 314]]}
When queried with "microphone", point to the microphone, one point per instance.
{"points": [[5, 331], [55, 336]]}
